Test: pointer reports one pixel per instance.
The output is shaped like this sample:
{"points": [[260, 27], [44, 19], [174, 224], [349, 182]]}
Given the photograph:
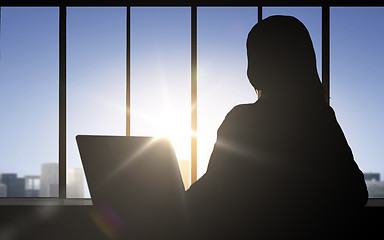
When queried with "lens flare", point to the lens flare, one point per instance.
{"points": [[108, 221]]}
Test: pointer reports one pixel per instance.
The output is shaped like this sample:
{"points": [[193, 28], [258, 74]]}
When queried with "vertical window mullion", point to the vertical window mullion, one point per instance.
{"points": [[128, 73], [325, 51], [193, 93], [62, 102], [259, 18]]}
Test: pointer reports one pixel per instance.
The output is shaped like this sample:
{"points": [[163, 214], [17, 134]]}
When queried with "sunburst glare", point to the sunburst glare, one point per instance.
{"points": [[173, 126]]}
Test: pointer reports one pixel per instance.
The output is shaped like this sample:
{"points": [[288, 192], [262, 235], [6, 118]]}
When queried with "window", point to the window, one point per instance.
{"points": [[29, 103], [96, 42], [95, 81], [221, 71], [357, 86], [160, 77]]}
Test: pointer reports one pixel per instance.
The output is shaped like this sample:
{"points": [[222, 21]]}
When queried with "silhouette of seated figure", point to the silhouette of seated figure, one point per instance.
{"points": [[281, 167]]}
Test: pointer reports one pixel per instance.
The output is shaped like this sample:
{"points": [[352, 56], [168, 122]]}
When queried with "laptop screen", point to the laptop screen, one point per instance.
{"points": [[138, 177]]}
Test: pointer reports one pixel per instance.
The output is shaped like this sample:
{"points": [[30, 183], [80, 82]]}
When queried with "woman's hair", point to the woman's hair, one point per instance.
{"points": [[281, 57]]}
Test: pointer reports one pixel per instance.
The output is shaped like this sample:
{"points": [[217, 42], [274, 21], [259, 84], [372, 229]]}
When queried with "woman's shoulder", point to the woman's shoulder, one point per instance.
{"points": [[242, 110], [240, 117]]}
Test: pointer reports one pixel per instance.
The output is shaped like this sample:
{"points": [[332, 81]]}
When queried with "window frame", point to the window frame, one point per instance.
{"points": [[63, 4]]}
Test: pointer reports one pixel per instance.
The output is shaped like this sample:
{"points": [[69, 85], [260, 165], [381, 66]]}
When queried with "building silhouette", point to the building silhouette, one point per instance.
{"points": [[3, 190], [75, 186], [372, 177], [32, 186], [374, 185], [15, 186], [375, 189], [49, 180]]}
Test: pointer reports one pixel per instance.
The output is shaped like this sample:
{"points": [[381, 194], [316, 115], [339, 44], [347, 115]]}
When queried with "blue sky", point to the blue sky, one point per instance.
{"points": [[29, 89], [357, 83], [160, 77]]}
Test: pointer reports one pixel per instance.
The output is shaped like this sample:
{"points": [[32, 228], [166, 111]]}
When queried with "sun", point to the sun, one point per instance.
{"points": [[176, 127]]}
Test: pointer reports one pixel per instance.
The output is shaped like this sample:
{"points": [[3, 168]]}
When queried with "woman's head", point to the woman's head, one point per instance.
{"points": [[281, 56]]}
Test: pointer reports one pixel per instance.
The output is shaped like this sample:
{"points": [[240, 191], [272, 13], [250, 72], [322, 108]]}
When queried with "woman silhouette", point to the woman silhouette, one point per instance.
{"points": [[281, 167]]}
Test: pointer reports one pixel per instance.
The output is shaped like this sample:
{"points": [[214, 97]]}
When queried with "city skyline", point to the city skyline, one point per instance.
{"points": [[76, 187], [43, 185], [47, 186]]}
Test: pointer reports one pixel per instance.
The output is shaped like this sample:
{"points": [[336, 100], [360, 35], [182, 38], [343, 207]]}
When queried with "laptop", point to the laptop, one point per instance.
{"points": [[139, 180]]}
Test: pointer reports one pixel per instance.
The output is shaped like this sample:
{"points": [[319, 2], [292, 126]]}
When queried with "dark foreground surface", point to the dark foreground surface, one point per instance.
{"points": [[87, 222]]}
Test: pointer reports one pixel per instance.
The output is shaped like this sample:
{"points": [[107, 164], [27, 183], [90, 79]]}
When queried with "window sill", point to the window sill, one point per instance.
{"points": [[375, 202], [45, 201]]}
